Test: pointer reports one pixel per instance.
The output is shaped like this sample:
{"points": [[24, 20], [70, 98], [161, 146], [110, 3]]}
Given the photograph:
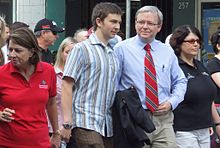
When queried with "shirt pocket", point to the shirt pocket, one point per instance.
{"points": [[163, 77]]}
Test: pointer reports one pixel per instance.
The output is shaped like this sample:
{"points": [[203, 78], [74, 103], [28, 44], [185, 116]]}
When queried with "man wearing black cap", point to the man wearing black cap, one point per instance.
{"points": [[46, 32]]}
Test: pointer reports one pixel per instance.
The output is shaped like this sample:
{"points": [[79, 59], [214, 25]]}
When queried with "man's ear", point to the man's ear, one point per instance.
{"points": [[159, 27], [98, 21], [218, 46]]}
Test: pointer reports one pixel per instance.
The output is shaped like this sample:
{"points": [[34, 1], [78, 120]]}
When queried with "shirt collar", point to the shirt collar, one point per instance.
{"points": [[181, 62], [39, 68], [57, 70], [94, 40], [142, 44]]}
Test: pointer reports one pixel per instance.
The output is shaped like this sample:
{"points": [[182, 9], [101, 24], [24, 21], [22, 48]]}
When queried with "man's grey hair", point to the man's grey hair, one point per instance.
{"points": [[38, 33], [152, 9], [78, 31]]}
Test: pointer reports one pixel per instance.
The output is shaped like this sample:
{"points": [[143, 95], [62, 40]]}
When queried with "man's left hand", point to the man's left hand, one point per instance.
{"points": [[163, 108]]}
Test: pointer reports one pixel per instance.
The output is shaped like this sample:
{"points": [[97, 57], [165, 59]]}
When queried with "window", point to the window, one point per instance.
{"points": [[6, 10]]}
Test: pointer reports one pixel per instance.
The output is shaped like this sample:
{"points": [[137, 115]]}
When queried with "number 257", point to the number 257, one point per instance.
{"points": [[183, 5]]}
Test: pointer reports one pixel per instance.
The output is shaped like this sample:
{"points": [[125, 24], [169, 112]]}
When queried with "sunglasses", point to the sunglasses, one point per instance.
{"points": [[192, 41], [54, 32]]}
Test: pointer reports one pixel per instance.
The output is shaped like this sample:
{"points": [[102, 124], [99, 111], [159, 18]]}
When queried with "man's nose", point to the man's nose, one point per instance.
{"points": [[117, 26]]}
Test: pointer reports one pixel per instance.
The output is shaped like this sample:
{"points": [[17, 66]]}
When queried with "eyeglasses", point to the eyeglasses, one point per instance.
{"points": [[192, 41], [150, 24]]}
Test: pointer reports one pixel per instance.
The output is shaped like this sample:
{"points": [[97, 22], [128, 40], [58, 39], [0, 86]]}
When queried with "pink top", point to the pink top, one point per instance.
{"points": [[59, 75]]}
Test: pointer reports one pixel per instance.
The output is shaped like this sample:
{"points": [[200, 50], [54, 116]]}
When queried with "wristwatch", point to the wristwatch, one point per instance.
{"points": [[67, 125], [57, 132]]}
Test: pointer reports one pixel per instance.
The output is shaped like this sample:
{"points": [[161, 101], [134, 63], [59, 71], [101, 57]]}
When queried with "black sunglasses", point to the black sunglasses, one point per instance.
{"points": [[54, 32]]}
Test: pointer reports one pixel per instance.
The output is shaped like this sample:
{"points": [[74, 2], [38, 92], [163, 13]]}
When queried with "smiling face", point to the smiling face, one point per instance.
{"points": [[147, 25], [19, 55]]}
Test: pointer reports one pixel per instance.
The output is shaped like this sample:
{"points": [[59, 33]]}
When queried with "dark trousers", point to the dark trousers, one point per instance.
{"points": [[91, 139], [72, 142]]}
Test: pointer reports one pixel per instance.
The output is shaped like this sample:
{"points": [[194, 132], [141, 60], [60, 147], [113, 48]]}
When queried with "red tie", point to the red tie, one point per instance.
{"points": [[150, 81]]}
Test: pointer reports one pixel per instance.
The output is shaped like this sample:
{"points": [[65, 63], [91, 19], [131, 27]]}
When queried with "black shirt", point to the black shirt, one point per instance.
{"points": [[194, 112], [214, 66], [46, 56]]}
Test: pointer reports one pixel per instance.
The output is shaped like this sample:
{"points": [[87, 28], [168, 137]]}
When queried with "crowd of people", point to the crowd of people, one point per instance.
{"points": [[47, 102]]}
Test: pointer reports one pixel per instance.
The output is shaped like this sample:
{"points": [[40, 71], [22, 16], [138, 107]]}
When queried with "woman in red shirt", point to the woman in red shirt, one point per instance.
{"points": [[27, 90]]}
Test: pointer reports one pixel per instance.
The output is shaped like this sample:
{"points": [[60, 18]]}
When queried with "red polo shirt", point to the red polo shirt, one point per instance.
{"points": [[28, 99]]}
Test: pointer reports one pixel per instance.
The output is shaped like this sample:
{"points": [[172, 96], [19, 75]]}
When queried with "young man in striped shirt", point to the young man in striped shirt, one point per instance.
{"points": [[89, 82]]}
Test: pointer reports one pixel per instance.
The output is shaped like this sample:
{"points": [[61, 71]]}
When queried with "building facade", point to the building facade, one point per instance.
{"points": [[75, 14]]}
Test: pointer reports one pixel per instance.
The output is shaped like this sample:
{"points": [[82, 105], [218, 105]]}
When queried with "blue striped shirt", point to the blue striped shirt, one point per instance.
{"points": [[93, 66], [170, 78]]}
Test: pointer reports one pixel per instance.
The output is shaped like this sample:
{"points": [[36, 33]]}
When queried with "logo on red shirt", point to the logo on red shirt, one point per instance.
{"points": [[43, 85]]}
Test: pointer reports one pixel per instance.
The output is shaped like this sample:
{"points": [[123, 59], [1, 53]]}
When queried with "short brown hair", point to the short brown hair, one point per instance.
{"points": [[17, 25], [102, 10]]}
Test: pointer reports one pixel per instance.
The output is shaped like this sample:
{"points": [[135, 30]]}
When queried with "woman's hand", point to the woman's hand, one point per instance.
{"points": [[6, 115], [55, 140]]}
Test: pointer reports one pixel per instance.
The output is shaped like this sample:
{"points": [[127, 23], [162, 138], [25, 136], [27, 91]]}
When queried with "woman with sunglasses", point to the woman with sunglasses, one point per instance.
{"points": [[193, 116]]}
